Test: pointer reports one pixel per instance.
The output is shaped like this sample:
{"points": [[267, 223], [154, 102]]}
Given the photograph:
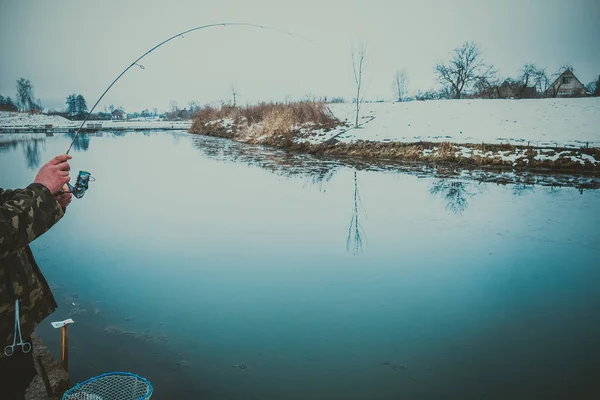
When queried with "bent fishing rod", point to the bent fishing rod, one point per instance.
{"points": [[81, 185]]}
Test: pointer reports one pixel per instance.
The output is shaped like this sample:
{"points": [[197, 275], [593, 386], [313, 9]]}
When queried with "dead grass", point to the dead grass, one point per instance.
{"points": [[276, 124]]}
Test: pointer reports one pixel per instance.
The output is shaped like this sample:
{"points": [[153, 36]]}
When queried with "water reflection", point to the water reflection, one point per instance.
{"points": [[356, 234], [82, 142], [31, 148], [282, 163], [9, 145], [456, 194], [295, 308], [521, 189]]}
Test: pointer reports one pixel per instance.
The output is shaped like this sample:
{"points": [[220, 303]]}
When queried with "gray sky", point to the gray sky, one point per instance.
{"points": [[67, 46]]}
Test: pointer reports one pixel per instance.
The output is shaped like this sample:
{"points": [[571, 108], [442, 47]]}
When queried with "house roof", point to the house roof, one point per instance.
{"points": [[567, 72]]}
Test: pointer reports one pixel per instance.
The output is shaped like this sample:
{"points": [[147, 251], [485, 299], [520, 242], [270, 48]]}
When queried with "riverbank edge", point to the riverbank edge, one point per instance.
{"points": [[584, 161]]}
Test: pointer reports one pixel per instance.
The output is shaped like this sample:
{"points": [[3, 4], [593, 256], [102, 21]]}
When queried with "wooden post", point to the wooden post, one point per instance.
{"points": [[64, 347]]}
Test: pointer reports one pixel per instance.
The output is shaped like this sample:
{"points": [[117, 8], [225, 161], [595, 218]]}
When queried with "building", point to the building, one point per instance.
{"points": [[567, 85], [516, 90], [119, 114]]}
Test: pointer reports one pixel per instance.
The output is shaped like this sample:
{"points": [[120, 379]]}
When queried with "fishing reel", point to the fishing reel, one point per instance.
{"points": [[81, 184]]}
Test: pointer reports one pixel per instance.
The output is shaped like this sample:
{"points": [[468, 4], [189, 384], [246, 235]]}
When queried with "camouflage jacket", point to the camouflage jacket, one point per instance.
{"points": [[25, 214]]}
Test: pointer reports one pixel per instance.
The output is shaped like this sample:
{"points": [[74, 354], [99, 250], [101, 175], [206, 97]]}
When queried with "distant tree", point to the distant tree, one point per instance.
{"points": [[592, 87], [596, 91], [145, 113], [358, 66], [464, 68], [193, 107], [25, 97], [7, 104], [486, 87], [71, 105], [38, 106], [400, 85], [542, 81], [111, 108], [532, 76], [81, 106], [234, 94], [528, 72]]}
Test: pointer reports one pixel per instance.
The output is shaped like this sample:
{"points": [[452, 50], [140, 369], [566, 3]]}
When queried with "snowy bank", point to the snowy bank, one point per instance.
{"points": [[545, 134], [24, 120], [539, 122]]}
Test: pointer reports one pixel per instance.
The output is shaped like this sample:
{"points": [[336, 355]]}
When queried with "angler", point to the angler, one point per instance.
{"points": [[25, 296]]}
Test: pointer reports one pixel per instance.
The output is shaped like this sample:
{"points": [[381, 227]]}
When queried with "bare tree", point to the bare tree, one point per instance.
{"points": [[400, 85], [542, 81], [358, 66], [532, 76], [234, 94], [464, 68]]}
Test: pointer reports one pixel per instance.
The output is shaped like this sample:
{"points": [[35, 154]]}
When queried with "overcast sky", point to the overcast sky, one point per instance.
{"points": [[67, 46]]}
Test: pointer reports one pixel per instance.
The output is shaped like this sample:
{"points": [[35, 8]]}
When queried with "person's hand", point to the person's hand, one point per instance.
{"points": [[64, 198], [55, 173]]}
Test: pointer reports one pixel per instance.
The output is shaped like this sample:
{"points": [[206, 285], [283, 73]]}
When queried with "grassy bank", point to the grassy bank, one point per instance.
{"points": [[276, 124], [311, 127]]}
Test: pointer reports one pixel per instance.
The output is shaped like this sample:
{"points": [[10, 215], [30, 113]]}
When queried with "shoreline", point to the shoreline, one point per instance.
{"points": [[486, 158], [554, 136]]}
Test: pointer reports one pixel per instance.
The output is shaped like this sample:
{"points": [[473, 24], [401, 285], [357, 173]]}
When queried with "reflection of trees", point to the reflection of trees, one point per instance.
{"points": [[31, 148], [455, 194], [8, 146], [356, 235], [279, 162], [82, 143], [521, 189]]}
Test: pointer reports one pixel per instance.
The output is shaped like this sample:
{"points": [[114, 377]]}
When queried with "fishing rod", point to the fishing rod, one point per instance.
{"points": [[81, 185]]}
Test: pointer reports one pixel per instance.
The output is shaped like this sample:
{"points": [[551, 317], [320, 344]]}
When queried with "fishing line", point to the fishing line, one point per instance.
{"points": [[81, 184]]}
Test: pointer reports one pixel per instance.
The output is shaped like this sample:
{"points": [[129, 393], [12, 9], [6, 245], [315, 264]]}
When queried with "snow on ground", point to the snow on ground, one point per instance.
{"points": [[20, 120], [24, 120], [541, 122]]}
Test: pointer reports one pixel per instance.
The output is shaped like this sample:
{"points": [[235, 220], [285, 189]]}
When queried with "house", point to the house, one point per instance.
{"points": [[509, 89], [119, 114], [567, 85], [516, 90]]}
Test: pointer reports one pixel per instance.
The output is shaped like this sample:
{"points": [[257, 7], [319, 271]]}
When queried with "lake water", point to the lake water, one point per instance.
{"points": [[223, 271]]}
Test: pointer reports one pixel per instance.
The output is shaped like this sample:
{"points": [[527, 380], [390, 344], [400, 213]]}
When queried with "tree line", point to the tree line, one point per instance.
{"points": [[467, 75], [25, 100]]}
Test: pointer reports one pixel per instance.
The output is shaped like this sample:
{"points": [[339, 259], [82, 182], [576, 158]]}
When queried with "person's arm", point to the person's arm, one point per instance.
{"points": [[29, 213], [6, 195]]}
